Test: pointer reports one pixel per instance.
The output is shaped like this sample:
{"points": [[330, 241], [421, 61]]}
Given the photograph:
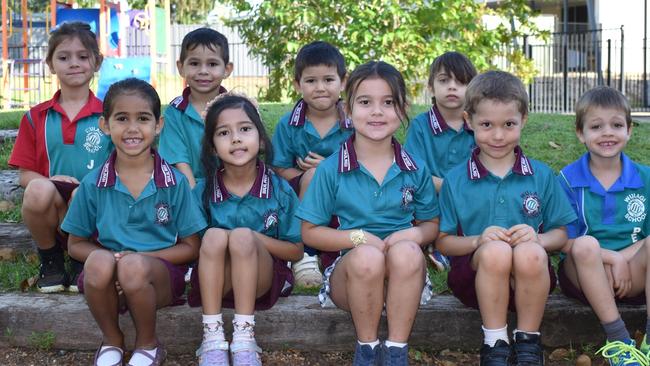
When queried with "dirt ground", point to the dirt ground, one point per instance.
{"points": [[31, 357]]}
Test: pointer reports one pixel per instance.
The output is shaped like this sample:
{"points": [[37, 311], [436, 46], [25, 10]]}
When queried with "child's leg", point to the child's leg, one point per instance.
{"points": [[212, 264], [405, 267], [102, 296], [532, 283], [43, 209], [493, 265], [357, 285], [585, 269], [251, 269], [147, 287]]}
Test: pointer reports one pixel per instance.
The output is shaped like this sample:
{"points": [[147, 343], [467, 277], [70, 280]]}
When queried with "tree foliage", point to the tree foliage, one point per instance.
{"points": [[406, 33]]}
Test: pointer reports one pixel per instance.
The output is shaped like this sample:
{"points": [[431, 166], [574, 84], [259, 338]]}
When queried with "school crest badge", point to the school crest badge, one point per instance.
{"points": [[94, 137], [531, 205], [407, 196], [270, 219], [635, 208], [163, 215]]}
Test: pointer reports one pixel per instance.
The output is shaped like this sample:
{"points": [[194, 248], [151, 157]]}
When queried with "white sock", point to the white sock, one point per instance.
{"points": [[394, 344], [213, 328], [514, 332], [140, 360], [491, 336], [243, 326], [109, 358], [372, 344]]}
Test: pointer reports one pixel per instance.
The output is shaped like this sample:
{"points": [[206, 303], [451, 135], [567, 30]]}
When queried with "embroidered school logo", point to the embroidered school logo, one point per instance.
{"points": [[531, 205], [635, 207], [270, 219], [94, 138], [407, 196], [162, 214]]}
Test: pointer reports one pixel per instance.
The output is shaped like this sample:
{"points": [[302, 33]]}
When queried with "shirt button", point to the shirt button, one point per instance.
{"points": [[501, 200]]}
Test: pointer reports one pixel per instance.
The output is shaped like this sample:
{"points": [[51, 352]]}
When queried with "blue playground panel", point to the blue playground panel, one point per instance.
{"points": [[91, 16], [116, 69]]}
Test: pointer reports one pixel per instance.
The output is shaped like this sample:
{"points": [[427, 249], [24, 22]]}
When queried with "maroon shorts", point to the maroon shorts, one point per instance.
{"points": [[281, 285], [462, 282], [176, 281], [572, 291], [65, 190]]}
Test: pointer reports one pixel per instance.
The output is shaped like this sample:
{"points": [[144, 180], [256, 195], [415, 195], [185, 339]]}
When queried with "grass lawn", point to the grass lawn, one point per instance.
{"points": [[546, 137]]}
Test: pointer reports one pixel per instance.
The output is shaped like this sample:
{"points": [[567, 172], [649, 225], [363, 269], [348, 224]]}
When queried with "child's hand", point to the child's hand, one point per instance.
{"points": [[374, 240], [621, 276], [493, 233], [120, 255], [310, 161], [522, 233], [65, 178]]}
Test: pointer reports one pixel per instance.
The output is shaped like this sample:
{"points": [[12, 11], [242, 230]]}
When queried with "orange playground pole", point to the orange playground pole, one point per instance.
{"points": [[23, 14], [152, 40]]}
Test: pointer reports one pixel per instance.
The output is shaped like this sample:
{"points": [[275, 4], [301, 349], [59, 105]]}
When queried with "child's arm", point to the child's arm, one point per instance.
{"points": [[288, 173], [282, 249], [454, 245], [423, 233], [331, 240], [80, 248], [187, 171], [551, 240]]}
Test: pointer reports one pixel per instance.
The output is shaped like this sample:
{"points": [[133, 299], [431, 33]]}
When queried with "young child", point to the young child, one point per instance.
{"points": [[501, 213], [377, 190], [312, 131], [59, 142], [440, 136], [204, 64], [143, 213], [607, 254], [252, 233]]}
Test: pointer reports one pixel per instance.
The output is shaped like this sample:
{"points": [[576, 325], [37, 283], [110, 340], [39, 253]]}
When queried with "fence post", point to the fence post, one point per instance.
{"points": [[609, 62], [565, 73], [622, 83]]}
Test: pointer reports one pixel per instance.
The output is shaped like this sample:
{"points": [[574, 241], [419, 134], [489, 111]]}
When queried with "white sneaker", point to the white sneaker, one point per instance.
{"points": [[306, 272]]}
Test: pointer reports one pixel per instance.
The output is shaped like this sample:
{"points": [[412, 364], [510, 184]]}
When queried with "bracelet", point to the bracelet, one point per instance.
{"points": [[358, 237]]}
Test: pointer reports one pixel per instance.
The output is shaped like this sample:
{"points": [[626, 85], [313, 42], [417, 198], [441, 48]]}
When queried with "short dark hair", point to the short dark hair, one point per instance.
{"points": [[453, 63], [206, 37], [319, 53], [604, 97], [132, 86], [386, 72], [496, 85], [79, 30]]}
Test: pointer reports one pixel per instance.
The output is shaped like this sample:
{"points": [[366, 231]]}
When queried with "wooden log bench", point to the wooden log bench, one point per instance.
{"points": [[10, 189], [8, 135]]}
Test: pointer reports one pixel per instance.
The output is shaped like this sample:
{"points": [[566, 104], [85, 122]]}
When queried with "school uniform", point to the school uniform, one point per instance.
{"points": [[181, 138], [440, 146], [269, 209], [473, 199], [345, 188], [295, 136], [617, 217], [50, 144], [164, 211]]}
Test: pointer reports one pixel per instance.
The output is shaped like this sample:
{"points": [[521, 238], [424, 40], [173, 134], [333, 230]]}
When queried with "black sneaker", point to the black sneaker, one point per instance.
{"points": [[527, 350], [75, 270], [499, 355], [52, 276]]}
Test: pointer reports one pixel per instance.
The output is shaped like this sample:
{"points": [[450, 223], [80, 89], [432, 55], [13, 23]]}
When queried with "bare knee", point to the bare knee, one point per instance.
{"points": [[214, 243], [133, 272], [585, 249], [530, 259], [366, 263], [99, 269], [39, 195], [242, 243], [405, 258], [495, 257]]}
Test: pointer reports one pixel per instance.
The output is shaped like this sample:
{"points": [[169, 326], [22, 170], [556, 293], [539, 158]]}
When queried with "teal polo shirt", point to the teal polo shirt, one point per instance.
{"points": [[618, 216], [295, 136], [441, 147], [269, 207], [182, 136], [473, 199], [342, 186], [164, 211]]}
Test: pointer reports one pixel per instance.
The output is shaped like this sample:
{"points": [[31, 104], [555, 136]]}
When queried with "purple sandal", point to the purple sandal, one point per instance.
{"points": [[100, 352], [155, 361]]}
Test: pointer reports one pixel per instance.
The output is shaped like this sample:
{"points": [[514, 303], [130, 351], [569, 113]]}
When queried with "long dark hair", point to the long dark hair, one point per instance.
{"points": [[209, 160]]}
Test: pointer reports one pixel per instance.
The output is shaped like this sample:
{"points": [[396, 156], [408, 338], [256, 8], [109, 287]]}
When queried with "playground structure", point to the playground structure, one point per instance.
{"points": [[26, 79]]}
